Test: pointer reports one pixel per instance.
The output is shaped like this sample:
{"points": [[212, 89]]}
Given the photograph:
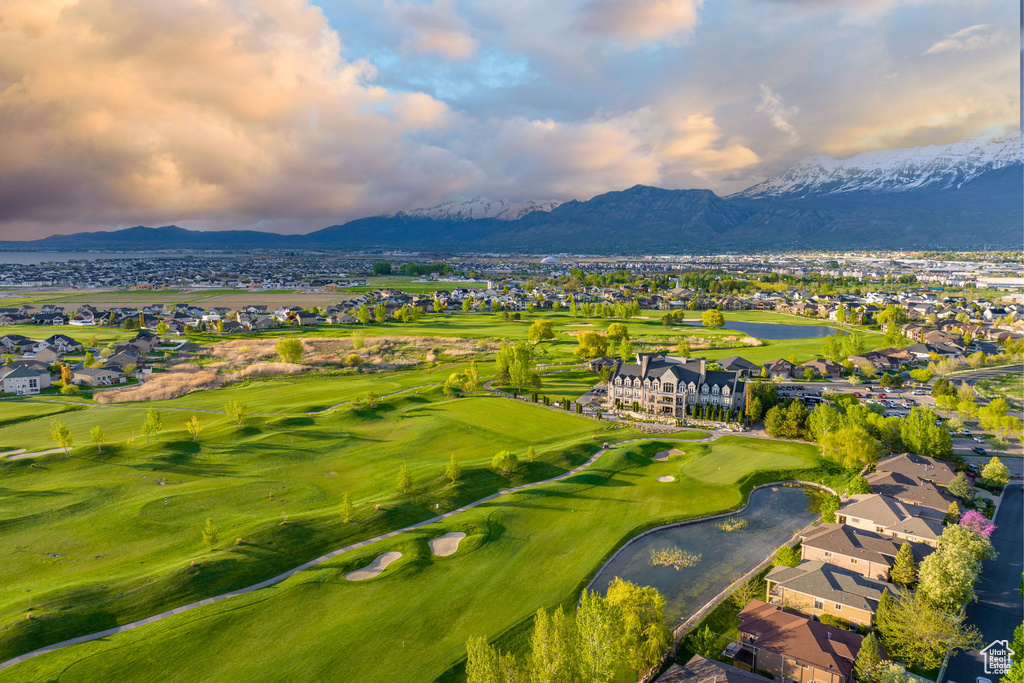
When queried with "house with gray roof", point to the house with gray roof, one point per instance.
{"points": [[666, 385], [868, 553], [23, 379], [908, 489], [919, 467], [816, 588], [701, 670], [741, 365], [890, 517]]}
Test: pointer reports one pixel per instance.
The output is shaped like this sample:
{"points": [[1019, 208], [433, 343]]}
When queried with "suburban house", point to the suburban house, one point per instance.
{"points": [[924, 351], [701, 670], [62, 344], [15, 343], [890, 517], [868, 553], [740, 365], [825, 368], [21, 380], [781, 369], [919, 467], [96, 377], [792, 647], [908, 489], [666, 385], [47, 354], [816, 588]]}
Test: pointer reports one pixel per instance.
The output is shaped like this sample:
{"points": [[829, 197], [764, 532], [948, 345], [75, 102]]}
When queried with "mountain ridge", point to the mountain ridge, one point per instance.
{"points": [[965, 195]]}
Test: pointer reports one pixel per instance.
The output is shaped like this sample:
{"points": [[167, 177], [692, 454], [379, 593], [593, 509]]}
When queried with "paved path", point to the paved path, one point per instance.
{"points": [[999, 608], [311, 563], [20, 456]]}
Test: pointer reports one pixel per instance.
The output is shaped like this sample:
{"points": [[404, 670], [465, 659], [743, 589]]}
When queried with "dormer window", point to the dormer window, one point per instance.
{"points": [[725, 391], [655, 386], [714, 390], [693, 388], [704, 389], [618, 381]]}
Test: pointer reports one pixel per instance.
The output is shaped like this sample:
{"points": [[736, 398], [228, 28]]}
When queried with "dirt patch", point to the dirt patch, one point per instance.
{"points": [[374, 568], [446, 545]]}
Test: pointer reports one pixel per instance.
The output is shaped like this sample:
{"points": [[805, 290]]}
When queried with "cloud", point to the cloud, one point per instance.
{"points": [[117, 111], [435, 28], [966, 40], [639, 20], [780, 115]]}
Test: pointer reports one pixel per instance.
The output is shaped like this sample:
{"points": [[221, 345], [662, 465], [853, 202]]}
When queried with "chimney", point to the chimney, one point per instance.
{"points": [[703, 366], [643, 359]]}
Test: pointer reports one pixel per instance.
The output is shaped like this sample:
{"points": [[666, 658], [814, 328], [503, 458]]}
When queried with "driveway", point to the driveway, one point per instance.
{"points": [[999, 608]]}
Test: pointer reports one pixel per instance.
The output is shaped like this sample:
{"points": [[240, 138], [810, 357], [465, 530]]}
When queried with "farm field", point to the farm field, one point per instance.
{"points": [[103, 538], [525, 550]]}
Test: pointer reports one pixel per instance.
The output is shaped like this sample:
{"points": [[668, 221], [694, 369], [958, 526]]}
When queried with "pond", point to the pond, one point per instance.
{"points": [[772, 516], [775, 331]]}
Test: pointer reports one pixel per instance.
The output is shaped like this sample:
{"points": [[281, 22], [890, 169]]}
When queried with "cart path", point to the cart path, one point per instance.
{"points": [[323, 558]]}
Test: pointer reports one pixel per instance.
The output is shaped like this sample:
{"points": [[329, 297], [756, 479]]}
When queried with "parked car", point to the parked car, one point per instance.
{"points": [[881, 395], [857, 394], [979, 450], [979, 439], [919, 392]]}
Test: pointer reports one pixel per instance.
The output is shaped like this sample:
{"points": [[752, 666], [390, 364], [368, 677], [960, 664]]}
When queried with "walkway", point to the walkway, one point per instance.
{"points": [[312, 563]]}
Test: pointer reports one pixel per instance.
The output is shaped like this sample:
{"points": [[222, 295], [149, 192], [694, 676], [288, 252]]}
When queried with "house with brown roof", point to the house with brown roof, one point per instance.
{"points": [[825, 368], [781, 369], [792, 647], [701, 670], [868, 553], [817, 588]]}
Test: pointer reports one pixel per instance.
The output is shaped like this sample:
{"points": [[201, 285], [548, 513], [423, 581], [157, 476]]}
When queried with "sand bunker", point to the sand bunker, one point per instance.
{"points": [[446, 545], [374, 568], [666, 479], [662, 456]]}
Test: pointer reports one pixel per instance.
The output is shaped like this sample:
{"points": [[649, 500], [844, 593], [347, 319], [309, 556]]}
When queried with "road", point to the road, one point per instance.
{"points": [[999, 608]]}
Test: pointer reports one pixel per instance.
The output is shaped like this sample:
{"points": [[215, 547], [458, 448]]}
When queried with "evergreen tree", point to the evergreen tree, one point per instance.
{"points": [[868, 659], [904, 569]]}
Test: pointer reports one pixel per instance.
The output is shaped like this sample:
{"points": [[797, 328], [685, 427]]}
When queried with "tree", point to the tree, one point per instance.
{"points": [[704, 642], [353, 360], [996, 472], [380, 314], [868, 659], [645, 638], [1016, 672], [553, 648], [786, 422], [829, 505], [618, 332], [591, 344], [961, 487], [597, 625], [210, 533], [455, 383], [404, 479], [921, 434], [505, 462], [161, 328], [540, 330], [514, 366], [786, 556], [913, 632], [472, 379], [152, 425], [346, 508], [194, 426], [712, 318], [904, 569], [892, 672], [381, 268], [858, 485], [98, 438], [363, 314], [236, 412], [921, 375], [851, 446], [947, 576], [290, 350], [90, 360], [454, 469]]}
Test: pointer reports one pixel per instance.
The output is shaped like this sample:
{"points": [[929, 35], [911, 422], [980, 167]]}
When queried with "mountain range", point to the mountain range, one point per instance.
{"points": [[965, 195]]}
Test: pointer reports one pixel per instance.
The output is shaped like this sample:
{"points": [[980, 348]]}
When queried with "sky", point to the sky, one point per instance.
{"points": [[287, 115]]}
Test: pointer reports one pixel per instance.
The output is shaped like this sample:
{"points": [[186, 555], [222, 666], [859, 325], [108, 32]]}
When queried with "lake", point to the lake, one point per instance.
{"points": [[775, 331], [772, 516]]}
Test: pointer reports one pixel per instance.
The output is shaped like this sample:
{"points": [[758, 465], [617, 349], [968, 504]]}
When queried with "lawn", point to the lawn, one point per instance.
{"points": [[1009, 386], [103, 335], [735, 457], [525, 550], [103, 538]]}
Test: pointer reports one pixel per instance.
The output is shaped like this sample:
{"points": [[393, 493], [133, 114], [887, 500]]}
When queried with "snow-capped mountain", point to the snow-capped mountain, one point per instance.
{"points": [[480, 207], [932, 167]]}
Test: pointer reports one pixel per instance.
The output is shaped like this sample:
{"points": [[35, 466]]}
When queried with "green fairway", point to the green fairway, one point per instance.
{"points": [[103, 538], [525, 550], [83, 334], [733, 457]]}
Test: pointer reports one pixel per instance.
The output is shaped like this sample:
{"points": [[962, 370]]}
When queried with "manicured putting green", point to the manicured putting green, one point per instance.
{"points": [[731, 458]]}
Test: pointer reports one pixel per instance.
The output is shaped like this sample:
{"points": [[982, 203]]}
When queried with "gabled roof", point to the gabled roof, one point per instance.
{"points": [[859, 543], [19, 372], [910, 490], [825, 647], [701, 670], [833, 584], [918, 466]]}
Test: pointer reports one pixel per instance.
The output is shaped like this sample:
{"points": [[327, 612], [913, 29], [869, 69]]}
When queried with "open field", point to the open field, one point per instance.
{"points": [[1009, 386], [530, 549], [103, 538]]}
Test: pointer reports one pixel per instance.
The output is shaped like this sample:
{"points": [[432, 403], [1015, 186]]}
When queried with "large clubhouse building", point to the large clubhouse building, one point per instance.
{"points": [[666, 385]]}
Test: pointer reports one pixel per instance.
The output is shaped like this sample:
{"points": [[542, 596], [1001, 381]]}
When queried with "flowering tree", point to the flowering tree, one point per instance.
{"points": [[975, 521]]}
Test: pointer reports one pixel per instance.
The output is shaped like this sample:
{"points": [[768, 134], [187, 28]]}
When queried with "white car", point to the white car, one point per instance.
{"points": [[979, 439], [919, 392]]}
